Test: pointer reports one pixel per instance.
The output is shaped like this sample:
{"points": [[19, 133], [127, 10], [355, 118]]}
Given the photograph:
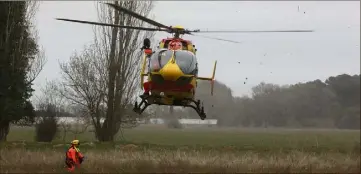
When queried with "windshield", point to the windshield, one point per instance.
{"points": [[186, 60], [159, 59]]}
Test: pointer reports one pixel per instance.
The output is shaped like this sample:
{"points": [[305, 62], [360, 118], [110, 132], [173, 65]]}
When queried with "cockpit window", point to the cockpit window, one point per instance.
{"points": [[186, 60], [159, 59]]}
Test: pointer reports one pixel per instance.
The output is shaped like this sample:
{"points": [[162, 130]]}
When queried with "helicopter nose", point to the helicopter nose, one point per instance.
{"points": [[171, 71]]}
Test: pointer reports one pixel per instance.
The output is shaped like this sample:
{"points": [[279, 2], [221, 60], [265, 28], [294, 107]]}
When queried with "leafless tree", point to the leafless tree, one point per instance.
{"points": [[37, 63], [50, 95], [49, 98], [81, 123], [49, 108], [83, 84], [123, 59], [104, 78]]}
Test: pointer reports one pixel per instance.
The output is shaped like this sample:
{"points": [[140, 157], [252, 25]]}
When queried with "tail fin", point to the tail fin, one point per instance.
{"points": [[212, 78]]}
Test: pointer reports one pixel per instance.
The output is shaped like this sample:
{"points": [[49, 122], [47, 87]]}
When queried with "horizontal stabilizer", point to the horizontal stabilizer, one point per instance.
{"points": [[210, 79]]}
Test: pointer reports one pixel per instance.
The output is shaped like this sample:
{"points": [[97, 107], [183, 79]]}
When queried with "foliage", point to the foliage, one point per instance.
{"points": [[30, 113], [47, 127], [19, 54], [334, 103]]}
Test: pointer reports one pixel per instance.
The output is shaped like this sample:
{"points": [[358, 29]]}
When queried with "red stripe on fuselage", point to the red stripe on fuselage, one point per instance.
{"points": [[167, 86]]}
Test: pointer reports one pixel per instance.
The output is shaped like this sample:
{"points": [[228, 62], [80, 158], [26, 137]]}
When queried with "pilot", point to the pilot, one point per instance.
{"points": [[175, 45]]}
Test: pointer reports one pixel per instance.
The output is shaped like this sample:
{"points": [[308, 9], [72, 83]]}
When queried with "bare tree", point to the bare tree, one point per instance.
{"points": [[50, 95], [104, 77], [50, 107], [81, 121], [36, 64], [83, 83], [49, 98], [120, 48]]}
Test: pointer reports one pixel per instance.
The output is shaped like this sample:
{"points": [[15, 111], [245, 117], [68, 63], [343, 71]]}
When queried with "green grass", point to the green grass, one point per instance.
{"points": [[158, 149], [211, 138]]}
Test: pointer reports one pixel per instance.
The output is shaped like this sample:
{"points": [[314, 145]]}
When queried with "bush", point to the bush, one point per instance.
{"points": [[47, 128]]}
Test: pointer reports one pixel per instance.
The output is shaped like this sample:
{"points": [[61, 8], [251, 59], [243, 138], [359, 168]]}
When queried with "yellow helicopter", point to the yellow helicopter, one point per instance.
{"points": [[172, 68]]}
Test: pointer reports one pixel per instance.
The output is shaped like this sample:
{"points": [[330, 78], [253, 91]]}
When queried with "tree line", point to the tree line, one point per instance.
{"points": [[333, 103]]}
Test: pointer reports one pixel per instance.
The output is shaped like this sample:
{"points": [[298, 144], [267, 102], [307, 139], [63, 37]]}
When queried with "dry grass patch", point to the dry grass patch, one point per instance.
{"points": [[163, 150], [122, 160]]}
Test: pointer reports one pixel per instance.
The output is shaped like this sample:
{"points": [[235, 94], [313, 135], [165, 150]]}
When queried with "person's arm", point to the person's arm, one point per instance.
{"points": [[81, 157]]}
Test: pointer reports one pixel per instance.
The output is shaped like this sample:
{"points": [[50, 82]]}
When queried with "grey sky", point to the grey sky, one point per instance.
{"points": [[282, 58]]}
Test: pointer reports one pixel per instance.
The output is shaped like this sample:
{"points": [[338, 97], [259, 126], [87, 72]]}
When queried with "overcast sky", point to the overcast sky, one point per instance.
{"points": [[282, 58]]}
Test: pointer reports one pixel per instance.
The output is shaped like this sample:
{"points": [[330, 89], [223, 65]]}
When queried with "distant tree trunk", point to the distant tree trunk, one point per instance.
{"points": [[107, 127], [4, 130]]}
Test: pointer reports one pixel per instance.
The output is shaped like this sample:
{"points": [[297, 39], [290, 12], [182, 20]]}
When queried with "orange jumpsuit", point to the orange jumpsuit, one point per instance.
{"points": [[73, 158]]}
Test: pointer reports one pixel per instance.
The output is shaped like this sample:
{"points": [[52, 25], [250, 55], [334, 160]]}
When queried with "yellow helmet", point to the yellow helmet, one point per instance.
{"points": [[75, 142]]}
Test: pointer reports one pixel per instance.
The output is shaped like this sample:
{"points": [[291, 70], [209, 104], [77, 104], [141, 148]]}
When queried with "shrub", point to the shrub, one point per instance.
{"points": [[47, 128]]}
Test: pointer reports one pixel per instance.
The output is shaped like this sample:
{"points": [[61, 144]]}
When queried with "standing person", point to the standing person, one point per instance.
{"points": [[73, 156]]}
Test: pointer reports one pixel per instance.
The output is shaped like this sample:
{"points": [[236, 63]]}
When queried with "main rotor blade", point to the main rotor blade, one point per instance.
{"points": [[250, 31], [136, 15], [216, 38], [110, 25]]}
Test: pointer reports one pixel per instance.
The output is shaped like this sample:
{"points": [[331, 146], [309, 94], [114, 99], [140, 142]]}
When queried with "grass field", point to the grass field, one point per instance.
{"points": [[158, 149]]}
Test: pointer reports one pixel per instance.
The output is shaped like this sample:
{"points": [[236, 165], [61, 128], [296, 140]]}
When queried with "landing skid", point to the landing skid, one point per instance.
{"points": [[140, 108]]}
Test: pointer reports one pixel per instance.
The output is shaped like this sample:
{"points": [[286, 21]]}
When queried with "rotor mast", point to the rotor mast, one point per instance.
{"points": [[176, 35], [177, 30]]}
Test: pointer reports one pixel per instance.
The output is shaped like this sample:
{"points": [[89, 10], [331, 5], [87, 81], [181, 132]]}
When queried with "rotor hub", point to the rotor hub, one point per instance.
{"points": [[178, 27]]}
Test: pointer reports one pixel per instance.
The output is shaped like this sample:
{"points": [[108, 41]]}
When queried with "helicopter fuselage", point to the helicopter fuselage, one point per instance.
{"points": [[175, 90], [172, 74]]}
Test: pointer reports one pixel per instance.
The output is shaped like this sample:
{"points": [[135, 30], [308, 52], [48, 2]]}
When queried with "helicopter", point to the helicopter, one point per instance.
{"points": [[172, 68]]}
